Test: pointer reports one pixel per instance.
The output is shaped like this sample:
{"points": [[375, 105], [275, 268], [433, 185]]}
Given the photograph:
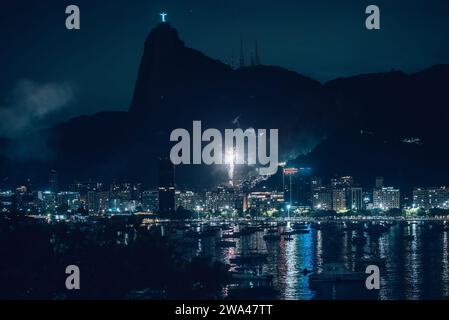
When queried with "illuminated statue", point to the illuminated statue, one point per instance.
{"points": [[163, 14]]}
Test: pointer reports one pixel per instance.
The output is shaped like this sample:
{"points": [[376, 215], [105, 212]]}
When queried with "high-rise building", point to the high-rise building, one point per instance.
{"points": [[53, 183], [48, 200], [289, 185], [103, 201], [220, 199], [185, 199], [339, 199], [322, 198], [69, 199], [386, 198], [367, 198], [259, 201], [431, 198], [263, 201], [304, 187], [347, 181], [88, 192], [420, 198], [316, 182], [136, 192], [297, 186], [150, 200], [166, 186], [439, 197], [355, 198], [92, 201]]}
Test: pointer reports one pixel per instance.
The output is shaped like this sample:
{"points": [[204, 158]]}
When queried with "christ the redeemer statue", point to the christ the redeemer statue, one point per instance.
{"points": [[163, 14]]}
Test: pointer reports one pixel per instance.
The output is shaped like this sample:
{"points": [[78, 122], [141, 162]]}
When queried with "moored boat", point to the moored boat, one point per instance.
{"points": [[336, 272]]}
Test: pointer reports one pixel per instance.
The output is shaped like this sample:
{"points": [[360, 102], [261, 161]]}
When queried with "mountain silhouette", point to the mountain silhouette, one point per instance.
{"points": [[176, 85], [395, 103], [405, 163]]}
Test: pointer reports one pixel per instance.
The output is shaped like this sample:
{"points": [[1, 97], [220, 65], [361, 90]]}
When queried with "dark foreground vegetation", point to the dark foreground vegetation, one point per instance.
{"points": [[118, 259]]}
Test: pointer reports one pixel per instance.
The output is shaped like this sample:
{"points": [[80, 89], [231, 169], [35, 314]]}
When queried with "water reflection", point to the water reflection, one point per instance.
{"points": [[412, 257]]}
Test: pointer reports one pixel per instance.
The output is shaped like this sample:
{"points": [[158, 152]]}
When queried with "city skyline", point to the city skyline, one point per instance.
{"points": [[224, 151], [300, 193]]}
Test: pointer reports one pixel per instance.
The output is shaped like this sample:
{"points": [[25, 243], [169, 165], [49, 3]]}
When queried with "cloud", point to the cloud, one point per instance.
{"points": [[30, 103]]}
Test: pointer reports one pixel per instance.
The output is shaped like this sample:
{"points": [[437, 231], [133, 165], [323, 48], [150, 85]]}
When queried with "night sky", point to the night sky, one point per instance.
{"points": [[48, 73]]}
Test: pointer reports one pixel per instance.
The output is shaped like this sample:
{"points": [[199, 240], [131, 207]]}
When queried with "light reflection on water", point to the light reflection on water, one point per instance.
{"points": [[415, 268]]}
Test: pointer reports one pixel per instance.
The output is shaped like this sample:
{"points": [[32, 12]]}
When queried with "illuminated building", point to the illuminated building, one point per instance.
{"points": [[166, 186], [439, 197], [347, 181], [71, 199], [259, 201], [355, 198], [420, 198], [103, 201], [297, 186], [304, 187], [431, 198], [185, 199], [367, 199], [92, 201], [150, 200], [263, 201], [322, 198], [316, 182], [289, 185], [6, 198], [386, 198], [114, 205], [339, 199], [220, 199], [47, 199], [277, 198], [122, 191]]}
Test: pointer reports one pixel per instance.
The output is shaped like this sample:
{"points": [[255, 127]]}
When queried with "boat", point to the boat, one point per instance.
{"points": [[370, 260], [250, 274], [336, 272], [336, 282], [299, 231], [252, 285], [231, 235], [288, 233], [250, 258], [299, 225]]}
